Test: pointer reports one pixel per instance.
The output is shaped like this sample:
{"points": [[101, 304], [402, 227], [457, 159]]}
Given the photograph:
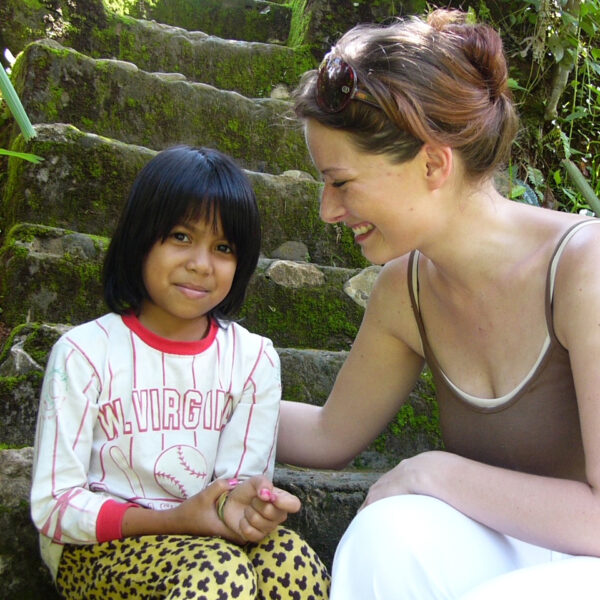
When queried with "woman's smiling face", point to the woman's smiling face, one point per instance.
{"points": [[373, 196]]}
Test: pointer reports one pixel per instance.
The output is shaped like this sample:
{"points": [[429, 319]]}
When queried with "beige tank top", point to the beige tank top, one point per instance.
{"points": [[534, 428]]}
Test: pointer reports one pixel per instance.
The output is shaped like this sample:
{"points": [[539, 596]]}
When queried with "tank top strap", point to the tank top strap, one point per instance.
{"points": [[553, 268], [413, 289], [413, 284]]}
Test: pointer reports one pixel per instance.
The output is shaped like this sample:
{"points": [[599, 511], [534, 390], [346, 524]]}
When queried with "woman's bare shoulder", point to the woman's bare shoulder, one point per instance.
{"points": [[577, 283], [390, 303]]}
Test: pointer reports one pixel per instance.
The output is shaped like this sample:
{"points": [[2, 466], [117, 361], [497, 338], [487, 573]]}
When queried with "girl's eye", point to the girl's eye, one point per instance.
{"points": [[338, 184], [225, 248], [180, 236]]}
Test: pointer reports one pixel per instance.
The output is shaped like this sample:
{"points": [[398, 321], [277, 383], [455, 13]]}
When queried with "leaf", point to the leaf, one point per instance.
{"points": [[516, 191], [566, 143], [555, 45], [557, 177], [34, 158], [513, 84], [14, 104], [578, 113]]}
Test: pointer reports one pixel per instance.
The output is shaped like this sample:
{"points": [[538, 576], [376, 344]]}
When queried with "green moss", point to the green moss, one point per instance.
{"points": [[18, 330], [235, 19], [295, 393], [314, 317], [70, 290], [39, 342], [4, 446], [9, 384], [416, 425], [300, 23]]}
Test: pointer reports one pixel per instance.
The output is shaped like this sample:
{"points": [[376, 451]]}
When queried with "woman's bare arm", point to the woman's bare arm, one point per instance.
{"points": [[374, 381]]}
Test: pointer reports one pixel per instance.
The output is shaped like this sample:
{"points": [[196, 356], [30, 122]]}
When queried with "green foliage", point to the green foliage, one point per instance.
{"points": [[552, 46], [23, 155], [10, 96]]}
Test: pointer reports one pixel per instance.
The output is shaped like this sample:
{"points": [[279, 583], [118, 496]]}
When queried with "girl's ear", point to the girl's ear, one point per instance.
{"points": [[438, 162]]}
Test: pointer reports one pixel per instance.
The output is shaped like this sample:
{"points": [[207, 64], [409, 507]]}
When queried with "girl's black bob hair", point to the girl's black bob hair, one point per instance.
{"points": [[180, 184]]}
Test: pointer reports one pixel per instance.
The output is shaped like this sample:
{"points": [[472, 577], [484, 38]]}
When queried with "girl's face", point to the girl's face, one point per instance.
{"points": [[379, 200], [186, 276]]}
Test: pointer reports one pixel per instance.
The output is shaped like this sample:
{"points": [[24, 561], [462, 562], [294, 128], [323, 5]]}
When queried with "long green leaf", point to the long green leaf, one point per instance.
{"points": [[14, 104], [34, 158]]}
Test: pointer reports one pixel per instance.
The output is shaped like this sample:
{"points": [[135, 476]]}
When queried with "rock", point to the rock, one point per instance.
{"points": [[360, 286], [22, 572], [292, 251], [287, 273]]}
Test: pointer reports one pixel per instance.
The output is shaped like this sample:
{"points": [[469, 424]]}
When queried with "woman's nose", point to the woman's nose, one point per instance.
{"points": [[331, 210]]}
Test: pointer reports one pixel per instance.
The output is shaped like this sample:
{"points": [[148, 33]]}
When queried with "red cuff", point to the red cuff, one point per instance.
{"points": [[110, 519]]}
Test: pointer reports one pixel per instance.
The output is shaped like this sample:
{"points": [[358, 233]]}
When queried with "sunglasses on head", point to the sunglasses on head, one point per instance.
{"points": [[337, 85]]}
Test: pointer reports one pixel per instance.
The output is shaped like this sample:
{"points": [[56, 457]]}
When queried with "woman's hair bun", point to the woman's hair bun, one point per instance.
{"points": [[481, 45]]}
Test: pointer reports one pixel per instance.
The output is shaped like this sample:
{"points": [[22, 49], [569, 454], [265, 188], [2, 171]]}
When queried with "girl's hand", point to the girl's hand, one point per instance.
{"points": [[195, 516], [255, 507]]}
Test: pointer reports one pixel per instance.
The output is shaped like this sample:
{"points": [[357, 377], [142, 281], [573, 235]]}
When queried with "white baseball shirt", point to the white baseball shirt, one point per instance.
{"points": [[128, 416]]}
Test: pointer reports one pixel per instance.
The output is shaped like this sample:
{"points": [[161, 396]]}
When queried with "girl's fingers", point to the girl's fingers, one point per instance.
{"points": [[285, 501], [253, 532]]}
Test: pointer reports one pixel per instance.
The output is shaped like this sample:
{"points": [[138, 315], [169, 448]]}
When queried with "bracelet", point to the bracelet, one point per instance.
{"points": [[221, 505]]}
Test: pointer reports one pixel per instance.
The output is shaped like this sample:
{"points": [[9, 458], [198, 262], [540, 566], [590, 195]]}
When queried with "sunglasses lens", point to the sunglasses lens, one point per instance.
{"points": [[335, 84]]}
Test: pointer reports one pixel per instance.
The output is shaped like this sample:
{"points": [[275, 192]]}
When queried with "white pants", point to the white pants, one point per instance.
{"points": [[418, 547]]}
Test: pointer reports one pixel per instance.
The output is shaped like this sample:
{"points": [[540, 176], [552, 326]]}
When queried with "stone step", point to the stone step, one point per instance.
{"points": [[85, 179], [115, 99], [307, 376], [53, 275], [90, 25], [250, 20], [253, 69], [329, 501]]}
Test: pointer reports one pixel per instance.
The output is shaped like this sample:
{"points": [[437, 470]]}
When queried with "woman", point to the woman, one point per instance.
{"points": [[407, 124]]}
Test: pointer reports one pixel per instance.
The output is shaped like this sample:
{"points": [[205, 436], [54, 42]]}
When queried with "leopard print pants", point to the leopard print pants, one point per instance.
{"points": [[281, 566]]}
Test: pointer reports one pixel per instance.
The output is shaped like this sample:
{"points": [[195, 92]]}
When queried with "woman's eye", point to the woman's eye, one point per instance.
{"points": [[337, 184]]}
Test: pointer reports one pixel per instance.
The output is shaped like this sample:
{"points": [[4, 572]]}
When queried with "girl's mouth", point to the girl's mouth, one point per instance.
{"points": [[192, 291]]}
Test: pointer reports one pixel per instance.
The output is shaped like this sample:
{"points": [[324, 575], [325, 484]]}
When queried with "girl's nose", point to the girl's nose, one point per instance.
{"points": [[199, 261], [331, 210]]}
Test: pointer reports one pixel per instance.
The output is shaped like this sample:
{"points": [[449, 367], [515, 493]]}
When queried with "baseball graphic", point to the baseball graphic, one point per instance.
{"points": [[180, 471], [54, 394]]}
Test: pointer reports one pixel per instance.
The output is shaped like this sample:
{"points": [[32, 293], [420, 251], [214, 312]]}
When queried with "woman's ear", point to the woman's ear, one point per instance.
{"points": [[438, 163]]}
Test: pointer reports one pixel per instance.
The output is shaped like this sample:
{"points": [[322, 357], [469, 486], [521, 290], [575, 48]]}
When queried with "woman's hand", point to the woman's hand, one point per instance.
{"points": [[415, 475], [255, 507]]}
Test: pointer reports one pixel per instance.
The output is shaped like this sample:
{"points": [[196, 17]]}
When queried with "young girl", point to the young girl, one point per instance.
{"points": [[156, 432]]}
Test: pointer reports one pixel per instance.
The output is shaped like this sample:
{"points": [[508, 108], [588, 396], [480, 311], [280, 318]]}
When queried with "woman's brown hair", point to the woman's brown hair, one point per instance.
{"points": [[442, 80]]}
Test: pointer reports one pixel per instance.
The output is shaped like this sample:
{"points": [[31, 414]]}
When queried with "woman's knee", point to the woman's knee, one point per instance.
{"points": [[424, 539], [405, 524]]}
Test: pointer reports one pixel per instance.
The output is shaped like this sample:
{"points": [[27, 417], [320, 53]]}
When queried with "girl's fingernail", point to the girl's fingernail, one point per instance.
{"points": [[232, 482], [265, 494]]}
